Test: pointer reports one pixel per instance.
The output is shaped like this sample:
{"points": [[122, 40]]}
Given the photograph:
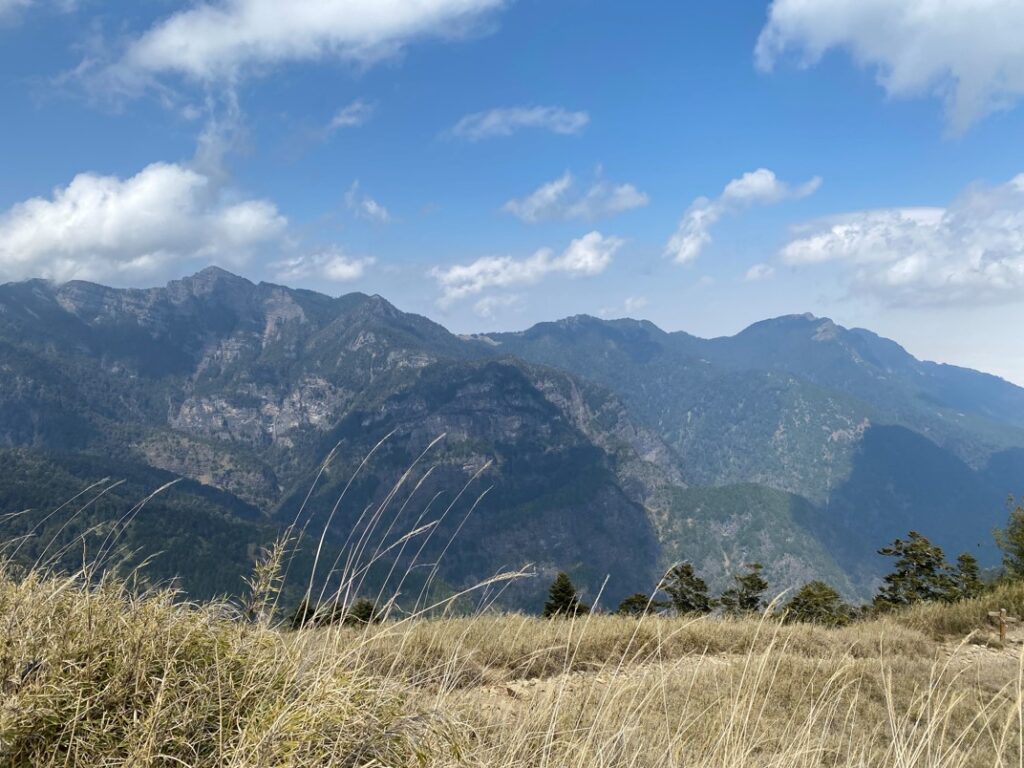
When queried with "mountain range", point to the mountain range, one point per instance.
{"points": [[609, 449]]}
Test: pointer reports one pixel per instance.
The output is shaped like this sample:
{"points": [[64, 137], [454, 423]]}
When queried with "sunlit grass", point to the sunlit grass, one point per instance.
{"points": [[94, 672], [95, 675]]}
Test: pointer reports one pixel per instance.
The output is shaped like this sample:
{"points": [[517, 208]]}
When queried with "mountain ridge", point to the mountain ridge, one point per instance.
{"points": [[246, 387]]}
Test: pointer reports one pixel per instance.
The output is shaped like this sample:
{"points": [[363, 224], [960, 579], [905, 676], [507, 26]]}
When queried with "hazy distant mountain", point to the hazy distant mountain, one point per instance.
{"points": [[617, 447], [247, 388], [878, 440]]}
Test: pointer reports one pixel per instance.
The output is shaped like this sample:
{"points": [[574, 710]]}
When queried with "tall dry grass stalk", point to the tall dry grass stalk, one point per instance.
{"points": [[93, 673]]}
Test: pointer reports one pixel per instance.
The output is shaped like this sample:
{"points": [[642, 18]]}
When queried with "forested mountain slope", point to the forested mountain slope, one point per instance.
{"points": [[612, 448]]}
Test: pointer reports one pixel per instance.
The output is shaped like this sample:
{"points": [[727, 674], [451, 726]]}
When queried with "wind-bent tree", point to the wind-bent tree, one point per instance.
{"points": [[967, 581], [747, 593], [359, 613], [686, 590], [1011, 539], [362, 611], [639, 604], [818, 603], [563, 599], [921, 574]]}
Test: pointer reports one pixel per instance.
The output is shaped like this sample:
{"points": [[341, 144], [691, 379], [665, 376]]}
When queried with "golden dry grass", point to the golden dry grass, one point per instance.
{"points": [[956, 620], [98, 676]]}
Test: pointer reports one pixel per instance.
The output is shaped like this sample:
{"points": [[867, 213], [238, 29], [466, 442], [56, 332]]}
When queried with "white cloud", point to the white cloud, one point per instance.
{"points": [[762, 186], [968, 52], [759, 273], [544, 202], [586, 256], [355, 114], [635, 303], [332, 265], [364, 206], [489, 306], [629, 307], [9, 7], [229, 38], [755, 187], [507, 120], [556, 200], [971, 252], [113, 229]]}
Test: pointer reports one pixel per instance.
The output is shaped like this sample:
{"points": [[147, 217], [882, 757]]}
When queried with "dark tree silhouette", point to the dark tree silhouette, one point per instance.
{"points": [[747, 593], [686, 590], [1011, 539], [639, 604], [967, 581], [921, 574], [818, 603], [563, 599]]}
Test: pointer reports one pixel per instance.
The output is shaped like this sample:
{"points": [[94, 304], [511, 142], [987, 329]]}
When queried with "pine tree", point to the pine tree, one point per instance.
{"points": [[747, 595], [362, 612], [967, 581], [686, 590], [817, 603], [921, 574], [639, 604], [1011, 539], [563, 599], [303, 615]]}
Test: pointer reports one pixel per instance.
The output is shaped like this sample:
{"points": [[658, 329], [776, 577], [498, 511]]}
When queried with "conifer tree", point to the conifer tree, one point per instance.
{"points": [[686, 590], [639, 604], [747, 594], [921, 573], [818, 603], [563, 599], [967, 581], [1011, 539], [361, 612], [303, 615]]}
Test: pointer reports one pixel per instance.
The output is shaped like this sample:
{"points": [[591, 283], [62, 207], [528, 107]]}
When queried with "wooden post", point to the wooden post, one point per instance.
{"points": [[1002, 620]]}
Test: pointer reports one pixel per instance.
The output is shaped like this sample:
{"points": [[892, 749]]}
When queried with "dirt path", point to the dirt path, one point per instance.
{"points": [[993, 665]]}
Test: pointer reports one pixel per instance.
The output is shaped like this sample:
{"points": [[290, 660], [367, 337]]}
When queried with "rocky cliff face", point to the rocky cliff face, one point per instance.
{"points": [[247, 388], [615, 447]]}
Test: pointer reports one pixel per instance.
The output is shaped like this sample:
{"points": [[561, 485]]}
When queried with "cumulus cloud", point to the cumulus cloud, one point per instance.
{"points": [[970, 252], [759, 273], [352, 116], [558, 199], [966, 52], [629, 308], [9, 7], [635, 303], [752, 188], [506, 121], [114, 229], [226, 39], [332, 265], [586, 256], [364, 206], [489, 306]]}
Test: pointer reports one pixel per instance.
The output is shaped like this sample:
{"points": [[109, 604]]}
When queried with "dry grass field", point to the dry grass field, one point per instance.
{"points": [[99, 676]]}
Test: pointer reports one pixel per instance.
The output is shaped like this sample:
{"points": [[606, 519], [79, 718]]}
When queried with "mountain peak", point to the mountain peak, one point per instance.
{"points": [[803, 318], [819, 328], [577, 320], [209, 281], [213, 274]]}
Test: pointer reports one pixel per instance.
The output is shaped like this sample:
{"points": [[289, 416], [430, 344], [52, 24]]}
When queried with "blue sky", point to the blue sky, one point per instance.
{"points": [[494, 163]]}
